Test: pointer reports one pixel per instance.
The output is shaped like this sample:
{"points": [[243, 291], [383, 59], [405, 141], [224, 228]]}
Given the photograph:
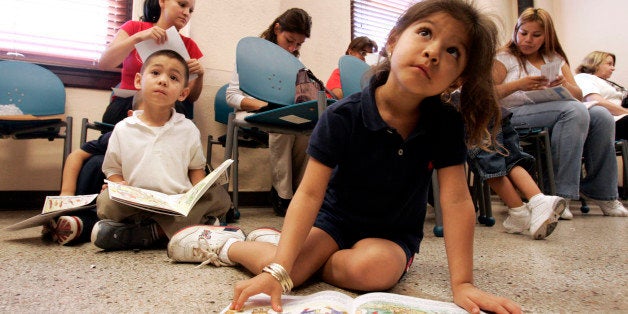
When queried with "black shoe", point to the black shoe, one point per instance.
{"points": [[232, 215], [280, 205], [110, 235]]}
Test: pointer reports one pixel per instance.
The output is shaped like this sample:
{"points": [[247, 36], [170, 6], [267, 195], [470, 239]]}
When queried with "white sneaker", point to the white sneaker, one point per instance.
{"points": [[202, 244], [518, 220], [544, 213], [268, 235], [566, 215], [612, 208], [609, 208]]}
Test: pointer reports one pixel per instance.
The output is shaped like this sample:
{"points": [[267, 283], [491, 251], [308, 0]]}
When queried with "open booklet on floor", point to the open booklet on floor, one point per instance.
{"points": [[55, 206], [334, 302], [176, 205]]}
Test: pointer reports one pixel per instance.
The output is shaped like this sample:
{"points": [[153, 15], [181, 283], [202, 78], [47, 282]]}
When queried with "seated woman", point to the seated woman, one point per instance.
{"points": [[593, 74], [577, 132], [359, 47], [287, 151]]}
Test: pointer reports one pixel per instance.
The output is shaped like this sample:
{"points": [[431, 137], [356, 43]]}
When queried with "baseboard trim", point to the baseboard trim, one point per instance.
{"points": [[28, 200], [23, 200], [253, 199]]}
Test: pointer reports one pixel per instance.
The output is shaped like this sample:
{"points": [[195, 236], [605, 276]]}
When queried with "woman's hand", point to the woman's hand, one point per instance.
{"points": [[560, 80], [533, 83], [195, 67], [252, 104], [157, 33], [473, 299], [262, 283]]}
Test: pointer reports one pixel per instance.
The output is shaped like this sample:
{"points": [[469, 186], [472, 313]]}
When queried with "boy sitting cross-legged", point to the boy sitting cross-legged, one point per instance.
{"points": [[157, 149]]}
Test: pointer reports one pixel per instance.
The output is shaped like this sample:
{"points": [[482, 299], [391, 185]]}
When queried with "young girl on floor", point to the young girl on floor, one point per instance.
{"points": [[357, 217]]}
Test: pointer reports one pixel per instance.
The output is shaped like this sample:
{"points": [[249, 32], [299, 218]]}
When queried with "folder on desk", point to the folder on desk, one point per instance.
{"points": [[302, 115], [268, 72]]}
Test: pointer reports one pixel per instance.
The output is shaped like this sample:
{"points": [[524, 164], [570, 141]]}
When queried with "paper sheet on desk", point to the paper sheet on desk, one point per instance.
{"points": [[551, 70], [174, 42]]}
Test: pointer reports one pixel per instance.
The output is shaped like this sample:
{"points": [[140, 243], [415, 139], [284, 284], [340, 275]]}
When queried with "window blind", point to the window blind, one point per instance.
{"points": [[375, 18], [64, 32]]}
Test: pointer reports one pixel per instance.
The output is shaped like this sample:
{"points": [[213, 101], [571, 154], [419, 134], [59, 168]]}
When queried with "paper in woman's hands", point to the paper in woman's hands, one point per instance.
{"points": [[174, 42], [551, 70]]}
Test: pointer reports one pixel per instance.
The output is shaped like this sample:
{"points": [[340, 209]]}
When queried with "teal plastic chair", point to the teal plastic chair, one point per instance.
{"points": [[246, 137], [266, 72], [40, 96], [249, 137], [221, 108], [352, 72]]}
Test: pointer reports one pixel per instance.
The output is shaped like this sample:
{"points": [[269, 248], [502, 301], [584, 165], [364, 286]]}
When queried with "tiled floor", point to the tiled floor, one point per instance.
{"points": [[580, 268]]}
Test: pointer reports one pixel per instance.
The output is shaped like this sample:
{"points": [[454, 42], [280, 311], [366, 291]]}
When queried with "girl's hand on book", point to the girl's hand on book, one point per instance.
{"points": [[473, 299], [262, 283]]}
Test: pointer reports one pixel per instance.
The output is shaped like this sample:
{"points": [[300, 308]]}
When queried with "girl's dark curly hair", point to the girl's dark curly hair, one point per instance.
{"points": [[478, 103]]}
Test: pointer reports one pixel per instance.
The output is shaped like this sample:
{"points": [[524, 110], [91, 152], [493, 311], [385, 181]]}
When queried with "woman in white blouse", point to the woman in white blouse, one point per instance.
{"points": [[593, 77]]}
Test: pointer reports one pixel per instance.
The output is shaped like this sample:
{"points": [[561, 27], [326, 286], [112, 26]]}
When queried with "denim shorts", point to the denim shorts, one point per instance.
{"points": [[501, 160], [346, 235]]}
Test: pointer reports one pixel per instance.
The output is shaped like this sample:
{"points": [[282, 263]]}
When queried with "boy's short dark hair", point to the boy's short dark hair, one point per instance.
{"points": [[171, 54]]}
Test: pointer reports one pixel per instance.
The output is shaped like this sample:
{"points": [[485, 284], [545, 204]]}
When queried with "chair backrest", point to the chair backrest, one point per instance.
{"points": [[35, 90], [221, 108], [267, 71], [352, 72]]}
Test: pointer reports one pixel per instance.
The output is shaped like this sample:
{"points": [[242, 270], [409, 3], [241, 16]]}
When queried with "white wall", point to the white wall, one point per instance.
{"points": [[584, 26], [218, 25]]}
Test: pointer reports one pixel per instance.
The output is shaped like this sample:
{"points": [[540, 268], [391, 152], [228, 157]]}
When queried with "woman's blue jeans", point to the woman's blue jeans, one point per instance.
{"points": [[576, 133]]}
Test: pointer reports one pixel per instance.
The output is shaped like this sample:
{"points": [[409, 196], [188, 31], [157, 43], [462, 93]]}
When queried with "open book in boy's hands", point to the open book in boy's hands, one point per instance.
{"points": [[55, 206], [176, 205], [340, 303]]}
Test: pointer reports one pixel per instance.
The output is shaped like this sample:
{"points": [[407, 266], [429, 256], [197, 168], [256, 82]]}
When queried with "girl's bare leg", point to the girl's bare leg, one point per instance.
{"points": [[506, 191], [317, 249], [370, 265], [524, 182]]}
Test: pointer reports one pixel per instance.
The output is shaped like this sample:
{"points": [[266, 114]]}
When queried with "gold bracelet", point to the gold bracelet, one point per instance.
{"points": [[280, 273]]}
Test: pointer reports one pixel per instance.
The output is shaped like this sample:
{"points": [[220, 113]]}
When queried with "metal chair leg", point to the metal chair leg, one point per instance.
{"points": [[549, 161], [622, 147], [231, 152], [438, 227]]}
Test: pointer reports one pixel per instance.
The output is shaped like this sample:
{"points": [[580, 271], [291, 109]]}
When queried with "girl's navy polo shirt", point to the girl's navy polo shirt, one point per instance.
{"points": [[380, 182]]}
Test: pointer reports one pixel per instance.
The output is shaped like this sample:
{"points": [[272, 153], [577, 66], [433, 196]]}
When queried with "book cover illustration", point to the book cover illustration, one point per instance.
{"points": [[56, 203], [55, 206], [334, 302]]}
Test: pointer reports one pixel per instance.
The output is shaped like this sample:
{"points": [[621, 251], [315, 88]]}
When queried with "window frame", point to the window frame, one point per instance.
{"points": [[79, 73], [373, 12]]}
